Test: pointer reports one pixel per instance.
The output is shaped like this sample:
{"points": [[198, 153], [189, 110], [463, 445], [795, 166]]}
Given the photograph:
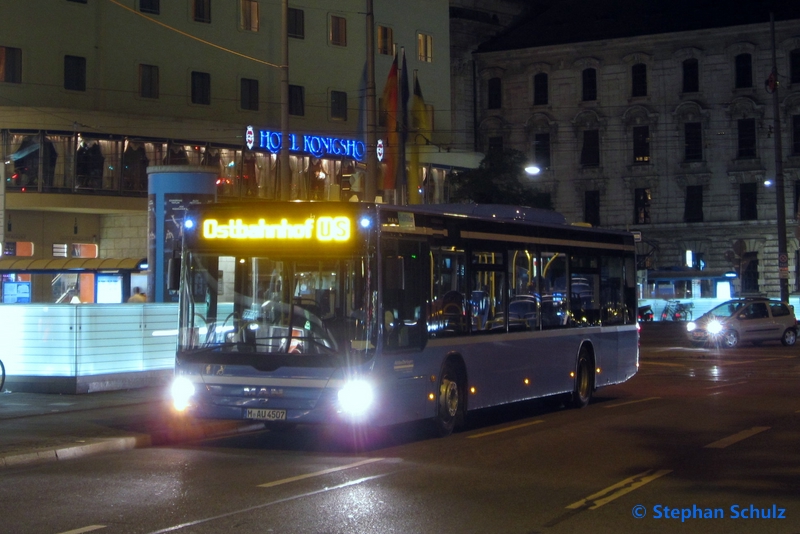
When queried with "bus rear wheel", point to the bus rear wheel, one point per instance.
{"points": [[584, 383], [450, 403]]}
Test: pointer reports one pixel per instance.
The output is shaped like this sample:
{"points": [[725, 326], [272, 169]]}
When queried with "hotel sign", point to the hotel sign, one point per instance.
{"points": [[317, 145]]}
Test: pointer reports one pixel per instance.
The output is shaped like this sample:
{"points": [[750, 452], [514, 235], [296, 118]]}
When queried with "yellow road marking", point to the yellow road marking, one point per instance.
{"points": [[319, 473], [506, 429], [619, 489], [730, 440], [631, 402]]}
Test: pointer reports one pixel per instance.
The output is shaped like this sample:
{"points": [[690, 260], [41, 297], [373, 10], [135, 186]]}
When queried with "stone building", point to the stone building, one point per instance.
{"points": [[656, 117]]}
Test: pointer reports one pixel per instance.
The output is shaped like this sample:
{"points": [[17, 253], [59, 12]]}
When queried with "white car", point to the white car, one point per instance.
{"points": [[751, 320]]}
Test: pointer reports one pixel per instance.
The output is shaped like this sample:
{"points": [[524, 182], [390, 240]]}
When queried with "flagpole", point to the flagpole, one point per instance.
{"points": [[783, 257], [283, 155], [401, 181], [370, 187]]}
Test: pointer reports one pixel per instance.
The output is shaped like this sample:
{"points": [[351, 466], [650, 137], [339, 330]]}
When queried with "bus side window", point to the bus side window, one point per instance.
{"points": [[448, 299], [404, 280]]}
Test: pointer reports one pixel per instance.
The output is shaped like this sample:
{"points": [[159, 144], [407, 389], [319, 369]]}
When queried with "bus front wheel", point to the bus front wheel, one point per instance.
{"points": [[584, 383], [450, 401]]}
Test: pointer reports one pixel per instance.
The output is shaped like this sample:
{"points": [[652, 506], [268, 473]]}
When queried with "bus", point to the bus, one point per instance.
{"points": [[376, 315]]}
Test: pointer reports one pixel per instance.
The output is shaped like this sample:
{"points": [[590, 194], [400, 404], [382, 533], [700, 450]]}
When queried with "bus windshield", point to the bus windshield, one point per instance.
{"points": [[277, 306]]}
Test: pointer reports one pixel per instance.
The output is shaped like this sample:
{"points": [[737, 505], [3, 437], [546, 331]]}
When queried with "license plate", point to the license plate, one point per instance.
{"points": [[265, 415]]}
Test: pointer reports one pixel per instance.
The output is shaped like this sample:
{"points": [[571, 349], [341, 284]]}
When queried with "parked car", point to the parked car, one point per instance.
{"points": [[751, 320]]}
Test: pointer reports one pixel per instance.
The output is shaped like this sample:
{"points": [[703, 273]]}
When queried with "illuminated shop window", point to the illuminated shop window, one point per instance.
{"points": [[18, 248], [59, 250], [84, 250]]}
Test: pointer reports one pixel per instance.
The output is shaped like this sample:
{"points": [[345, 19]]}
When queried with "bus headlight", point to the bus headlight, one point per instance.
{"points": [[355, 397], [182, 390], [691, 326], [714, 327]]}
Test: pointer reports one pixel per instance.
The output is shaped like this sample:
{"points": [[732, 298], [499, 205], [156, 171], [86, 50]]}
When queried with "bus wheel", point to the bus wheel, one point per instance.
{"points": [[583, 382], [450, 401]]}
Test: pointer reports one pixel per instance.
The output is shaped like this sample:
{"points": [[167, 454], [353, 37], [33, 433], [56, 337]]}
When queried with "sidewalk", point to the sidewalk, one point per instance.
{"points": [[38, 428]]}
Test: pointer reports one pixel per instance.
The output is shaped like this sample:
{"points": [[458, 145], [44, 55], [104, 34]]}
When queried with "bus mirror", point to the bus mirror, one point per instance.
{"points": [[394, 275], [174, 274]]}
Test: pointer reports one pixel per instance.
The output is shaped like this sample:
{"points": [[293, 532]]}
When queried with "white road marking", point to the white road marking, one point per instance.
{"points": [[619, 489], [506, 429], [631, 402], [727, 385], [730, 440], [319, 473], [90, 528]]}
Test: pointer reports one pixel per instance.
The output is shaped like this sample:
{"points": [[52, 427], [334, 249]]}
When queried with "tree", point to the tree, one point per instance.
{"points": [[500, 179]]}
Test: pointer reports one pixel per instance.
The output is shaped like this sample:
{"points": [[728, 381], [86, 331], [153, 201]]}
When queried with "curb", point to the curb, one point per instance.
{"points": [[186, 433]]}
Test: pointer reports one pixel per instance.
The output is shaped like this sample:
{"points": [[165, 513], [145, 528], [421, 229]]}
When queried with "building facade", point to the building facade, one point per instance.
{"points": [[666, 128], [93, 92]]}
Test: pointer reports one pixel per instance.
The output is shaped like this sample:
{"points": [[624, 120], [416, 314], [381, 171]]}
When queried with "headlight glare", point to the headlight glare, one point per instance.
{"points": [[691, 326], [355, 397], [182, 390], [714, 327]]}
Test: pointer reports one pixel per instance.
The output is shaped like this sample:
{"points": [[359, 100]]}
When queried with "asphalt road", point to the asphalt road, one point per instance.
{"points": [[701, 440]]}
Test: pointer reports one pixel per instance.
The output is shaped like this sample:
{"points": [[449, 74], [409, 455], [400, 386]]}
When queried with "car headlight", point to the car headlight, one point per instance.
{"points": [[182, 390], [690, 326], [355, 397], [714, 327]]}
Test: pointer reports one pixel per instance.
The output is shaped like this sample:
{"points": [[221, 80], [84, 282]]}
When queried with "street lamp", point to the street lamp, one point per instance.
{"points": [[532, 169]]}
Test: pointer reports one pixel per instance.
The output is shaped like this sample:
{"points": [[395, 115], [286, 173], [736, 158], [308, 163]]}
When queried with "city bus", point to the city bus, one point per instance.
{"points": [[376, 315]]}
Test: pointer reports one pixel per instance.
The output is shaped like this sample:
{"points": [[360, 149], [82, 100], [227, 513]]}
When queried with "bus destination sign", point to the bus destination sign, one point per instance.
{"points": [[323, 229]]}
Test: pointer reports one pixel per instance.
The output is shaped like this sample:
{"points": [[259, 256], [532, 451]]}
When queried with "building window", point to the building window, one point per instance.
{"points": [[10, 64], [148, 81], [797, 206], [794, 66], [541, 150], [496, 144], [744, 71], [339, 105], [425, 47], [639, 80], [249, 94], [75, 73], [591, 207], [202, 11], [495, 93], [748, 271], [693, 208], [338, 35], [796, 135], [248, 17], [297, 101], [78, 1], [59, 250], [385, 41], [747, 138], [540, 96], [201, 88], [748, 196], [641, 206], [150, 6], [590, 152], [589, 81], [641, 144], [691, 76], [693, 141], [296, 23]]}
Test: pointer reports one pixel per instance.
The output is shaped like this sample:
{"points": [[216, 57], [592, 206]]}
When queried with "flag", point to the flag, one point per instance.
{"points": [[403, 119], [362, 106], [419, 132], [389, 109]]}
